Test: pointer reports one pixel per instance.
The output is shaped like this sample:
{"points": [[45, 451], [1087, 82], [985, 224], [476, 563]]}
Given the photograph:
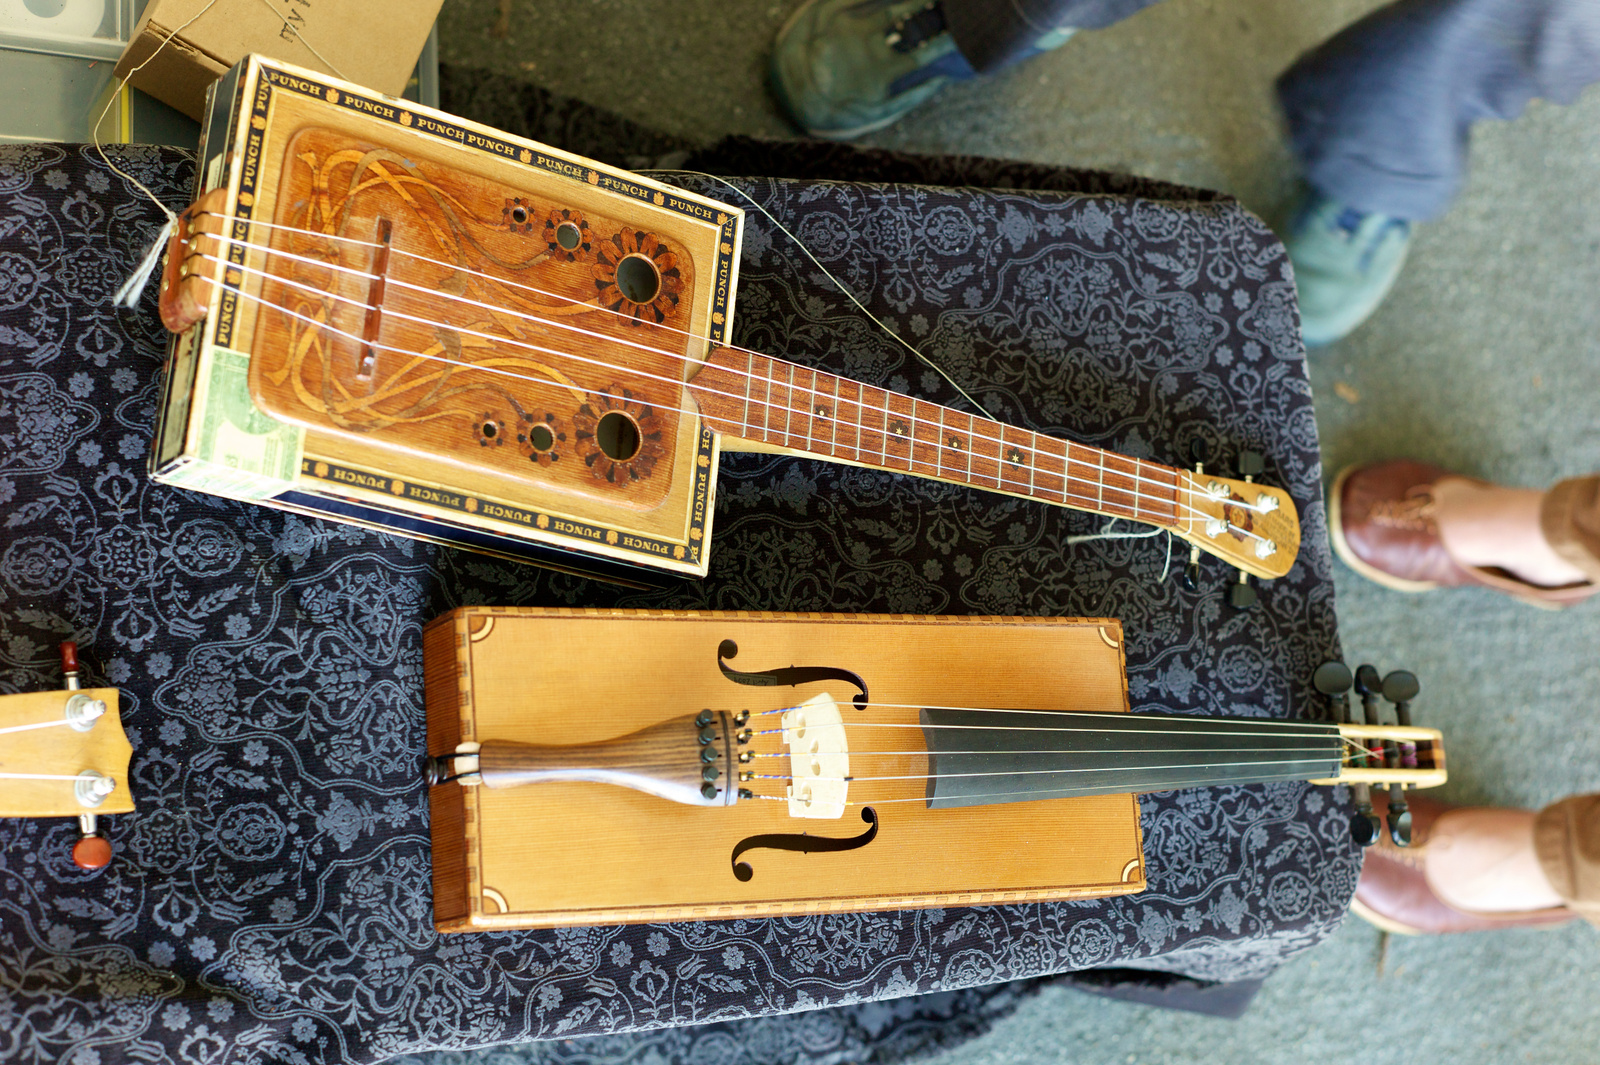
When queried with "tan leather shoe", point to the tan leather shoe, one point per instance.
{"points": [[1394, 894], [1381, 518]]}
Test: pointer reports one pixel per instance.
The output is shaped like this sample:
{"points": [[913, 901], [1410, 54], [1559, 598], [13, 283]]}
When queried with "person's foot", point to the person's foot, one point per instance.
{"points": [[844, 68], [1468, 869], [1345, 263], [1414, 527]]}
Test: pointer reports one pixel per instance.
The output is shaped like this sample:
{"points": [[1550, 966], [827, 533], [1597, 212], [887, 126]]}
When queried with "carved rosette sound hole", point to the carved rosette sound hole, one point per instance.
{"points": [[1240, 518], [517, 215], [618, 437], [490, 430], [567, 233], [542, 439], [637, 276], [1015, 456]]}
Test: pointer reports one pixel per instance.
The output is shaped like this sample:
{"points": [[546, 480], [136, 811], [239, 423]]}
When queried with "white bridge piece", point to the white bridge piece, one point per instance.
{"points": [[819, 758]]}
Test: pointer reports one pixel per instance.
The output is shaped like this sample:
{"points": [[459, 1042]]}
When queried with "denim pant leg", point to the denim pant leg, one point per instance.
{"points": [[995, 33], [1379, 115]]}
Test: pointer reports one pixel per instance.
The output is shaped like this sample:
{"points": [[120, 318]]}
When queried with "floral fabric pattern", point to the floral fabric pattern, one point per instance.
{"points": [[270, 899]]}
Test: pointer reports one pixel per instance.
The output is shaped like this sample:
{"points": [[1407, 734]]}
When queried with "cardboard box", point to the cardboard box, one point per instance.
{"points": [[374, 44]]}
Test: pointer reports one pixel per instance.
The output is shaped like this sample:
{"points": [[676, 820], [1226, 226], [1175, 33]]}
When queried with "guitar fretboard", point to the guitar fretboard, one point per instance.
{"points": [[759, 398]]}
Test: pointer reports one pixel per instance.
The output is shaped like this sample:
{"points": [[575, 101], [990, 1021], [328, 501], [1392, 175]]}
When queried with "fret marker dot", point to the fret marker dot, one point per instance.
{"points": [[821, 411], [1015, 456], [898, 427], [955, 443]]}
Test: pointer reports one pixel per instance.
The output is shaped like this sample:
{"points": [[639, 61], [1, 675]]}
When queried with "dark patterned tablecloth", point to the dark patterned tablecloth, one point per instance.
{"points": [[270, 898]]}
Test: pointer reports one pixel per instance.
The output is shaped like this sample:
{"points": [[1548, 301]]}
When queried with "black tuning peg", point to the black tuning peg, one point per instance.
{"points": [[1400, 687], [1251, 464], [1365, 828], [1399, 817], [1368, 686], [1333, 679], [1242, 595], [1198, 452]]}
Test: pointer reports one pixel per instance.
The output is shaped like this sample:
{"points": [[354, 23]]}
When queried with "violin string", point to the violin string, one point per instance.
{"points": [[1310, 728], [1120, 715], [1100, 505], [1175, 485], [1061, 770], [1135, 474]]}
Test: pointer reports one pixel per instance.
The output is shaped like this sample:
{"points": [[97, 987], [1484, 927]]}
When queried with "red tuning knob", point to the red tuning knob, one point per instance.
{"points": [[91, 852], [69, 657]]}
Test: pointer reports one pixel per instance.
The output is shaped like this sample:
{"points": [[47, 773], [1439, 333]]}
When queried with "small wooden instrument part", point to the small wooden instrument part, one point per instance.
{"points": [[450, 317], [65, 755], [954, 789]]}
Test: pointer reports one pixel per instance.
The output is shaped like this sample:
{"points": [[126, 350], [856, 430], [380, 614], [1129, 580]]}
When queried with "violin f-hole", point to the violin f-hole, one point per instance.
{"points": [[791, 676], [802, 843], [380, 280]]}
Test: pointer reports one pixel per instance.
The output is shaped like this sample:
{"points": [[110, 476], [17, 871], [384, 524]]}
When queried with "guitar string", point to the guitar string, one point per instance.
{"points": [[38, 724], [1139, 464], [1136, 474], [1101, 505]]}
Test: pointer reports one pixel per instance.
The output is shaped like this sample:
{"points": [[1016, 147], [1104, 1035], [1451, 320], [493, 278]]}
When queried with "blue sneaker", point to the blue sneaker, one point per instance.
{"points": [[843, 68], [1345, 263]]}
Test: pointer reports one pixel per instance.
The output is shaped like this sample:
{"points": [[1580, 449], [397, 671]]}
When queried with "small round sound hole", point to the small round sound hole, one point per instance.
{"points": [[490, 429], [618, 435], [519, 214], [568, 236], [637, 279], [541, 438]]}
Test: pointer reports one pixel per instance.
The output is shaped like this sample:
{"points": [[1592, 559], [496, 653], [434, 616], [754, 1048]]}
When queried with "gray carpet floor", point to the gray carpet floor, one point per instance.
{"points": [[1484, 359]]}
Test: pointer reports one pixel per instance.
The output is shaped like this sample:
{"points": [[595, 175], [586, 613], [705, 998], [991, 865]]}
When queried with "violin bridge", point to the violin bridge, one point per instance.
{"points": [[819, 759]]}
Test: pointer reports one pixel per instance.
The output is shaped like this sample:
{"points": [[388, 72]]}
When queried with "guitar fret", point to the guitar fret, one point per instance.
{"points": [[749, 383], [938, 450], [971, 421], [811, 412], [788, 407], [766, 416], [833, 444]]}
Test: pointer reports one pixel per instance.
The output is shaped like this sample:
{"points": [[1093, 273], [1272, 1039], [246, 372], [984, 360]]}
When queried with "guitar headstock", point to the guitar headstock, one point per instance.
{"points": [[65, 754], [1251, 526]]}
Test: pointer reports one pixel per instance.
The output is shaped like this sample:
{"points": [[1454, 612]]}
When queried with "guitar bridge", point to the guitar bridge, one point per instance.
{"points": [[380, 279]]}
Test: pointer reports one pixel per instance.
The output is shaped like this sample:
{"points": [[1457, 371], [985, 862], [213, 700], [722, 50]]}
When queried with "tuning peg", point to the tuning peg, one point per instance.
{"points": [[1399, 816], [1400, 687], [92, 851], [1333, 680], [1242, 594], [1368, 685], [1251, 464], [1198, 453], [69, 664], [1191, 572], [1365, 828]]}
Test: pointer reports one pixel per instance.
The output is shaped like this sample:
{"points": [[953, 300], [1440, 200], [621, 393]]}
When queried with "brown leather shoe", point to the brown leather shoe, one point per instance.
{"points": [[1393, 892], [1381, 518]]}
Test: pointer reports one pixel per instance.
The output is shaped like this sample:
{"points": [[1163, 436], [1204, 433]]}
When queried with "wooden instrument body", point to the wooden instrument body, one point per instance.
{"points": [[293, 386], [584, 853]]}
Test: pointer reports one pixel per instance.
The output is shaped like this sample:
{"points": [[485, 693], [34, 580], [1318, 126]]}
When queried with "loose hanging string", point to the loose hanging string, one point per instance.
{"points": [[1194, 513], [131, 289]]}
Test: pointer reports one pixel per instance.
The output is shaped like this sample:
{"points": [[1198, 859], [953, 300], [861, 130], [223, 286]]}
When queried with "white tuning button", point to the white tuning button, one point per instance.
{"points": [[82, 712], [1266, 504], [1217, 490], [1266, 548]]}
